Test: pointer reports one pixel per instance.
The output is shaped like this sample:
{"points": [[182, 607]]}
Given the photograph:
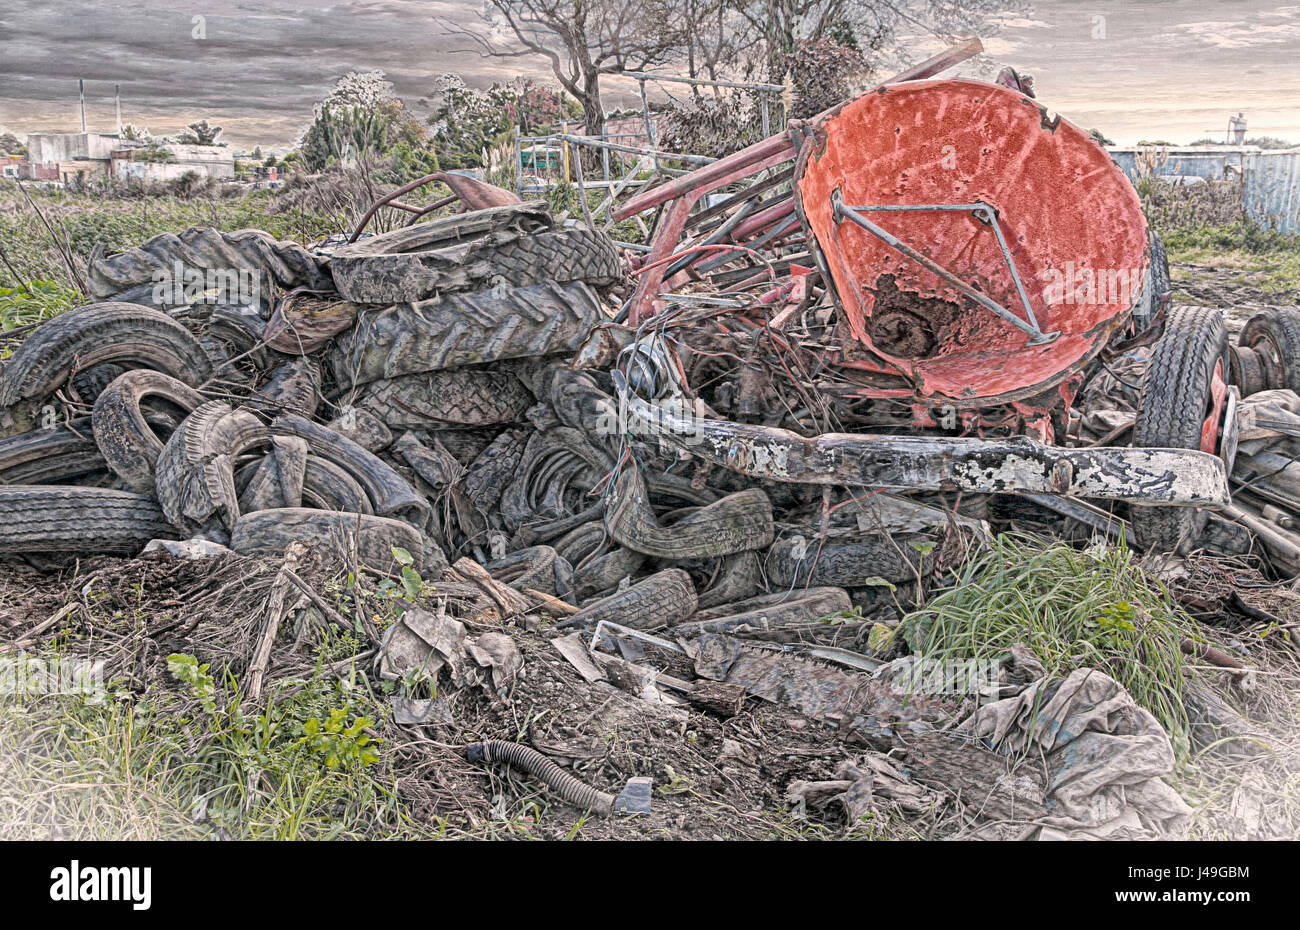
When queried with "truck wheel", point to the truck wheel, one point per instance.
{"points": [[1181, 407], [1272, 341]]}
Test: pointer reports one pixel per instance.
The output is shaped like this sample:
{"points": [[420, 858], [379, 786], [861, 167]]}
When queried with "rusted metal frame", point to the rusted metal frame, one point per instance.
{"points": [[737, 228], [760, 156], [1088, 514], [745, 283], [775, 232], [640, 76], [713, 238], [668, 231], [728, 170], [632, 149], [1036, 335], [742, 196], [422, 212], [661, 246], [387, 200], [1018, 465]]}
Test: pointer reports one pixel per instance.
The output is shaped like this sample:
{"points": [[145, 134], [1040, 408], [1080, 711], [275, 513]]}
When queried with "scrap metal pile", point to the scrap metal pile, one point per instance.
{"points": [[838, 363]]}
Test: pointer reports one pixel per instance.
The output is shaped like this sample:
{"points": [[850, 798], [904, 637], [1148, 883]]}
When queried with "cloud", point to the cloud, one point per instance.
{"points": [[1240, 35], [256, 69]]}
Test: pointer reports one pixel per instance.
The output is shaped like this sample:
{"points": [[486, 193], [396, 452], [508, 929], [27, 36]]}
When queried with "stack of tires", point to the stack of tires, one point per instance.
{"points": [[148, 415]]}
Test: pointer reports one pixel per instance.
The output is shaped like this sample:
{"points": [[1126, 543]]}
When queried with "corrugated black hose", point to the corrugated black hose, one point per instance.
{"points": [[534, 763]]}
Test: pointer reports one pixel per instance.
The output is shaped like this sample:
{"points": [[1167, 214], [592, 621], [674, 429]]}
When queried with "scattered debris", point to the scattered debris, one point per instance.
{"points": [[718, 471]]}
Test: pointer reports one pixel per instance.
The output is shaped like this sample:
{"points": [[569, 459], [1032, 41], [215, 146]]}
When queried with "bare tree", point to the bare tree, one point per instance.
{"points": [[875, 24], [717, 37], [581, 39]]}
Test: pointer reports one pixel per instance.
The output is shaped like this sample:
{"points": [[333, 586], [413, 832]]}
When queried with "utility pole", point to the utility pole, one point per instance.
{"points": [[81, 85], [117, 101]]}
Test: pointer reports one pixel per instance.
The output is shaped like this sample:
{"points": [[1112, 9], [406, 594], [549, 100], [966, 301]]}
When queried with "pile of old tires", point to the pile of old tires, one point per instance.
{"points": [[410, 391]]}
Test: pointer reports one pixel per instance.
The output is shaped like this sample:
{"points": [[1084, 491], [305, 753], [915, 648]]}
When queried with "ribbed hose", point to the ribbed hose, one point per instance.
{"points": [[534, 763]]}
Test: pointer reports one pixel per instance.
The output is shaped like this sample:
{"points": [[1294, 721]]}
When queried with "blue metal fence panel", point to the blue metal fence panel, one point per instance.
{"points": [[1213, 164], [1271, 190]]}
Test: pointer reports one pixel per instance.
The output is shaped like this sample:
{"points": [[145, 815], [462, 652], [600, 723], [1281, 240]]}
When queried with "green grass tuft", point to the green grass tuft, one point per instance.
{"points": [[1093, 608]]}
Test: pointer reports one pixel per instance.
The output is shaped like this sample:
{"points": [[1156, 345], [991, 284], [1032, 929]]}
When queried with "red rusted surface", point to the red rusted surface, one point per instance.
{"points": [[1218, 399], [1064, 208], [679, 196]]}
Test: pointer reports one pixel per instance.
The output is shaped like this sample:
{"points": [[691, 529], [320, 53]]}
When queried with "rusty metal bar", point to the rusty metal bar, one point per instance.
{"points": [[1036, 335]]}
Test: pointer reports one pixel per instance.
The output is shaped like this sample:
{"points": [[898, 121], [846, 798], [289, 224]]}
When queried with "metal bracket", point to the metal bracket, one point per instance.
{"points": [[986, 214]]}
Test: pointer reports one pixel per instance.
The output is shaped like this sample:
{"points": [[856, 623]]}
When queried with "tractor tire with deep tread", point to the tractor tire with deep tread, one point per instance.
{"points": [[130, 275], [518, 244], [447, 399], [465, 329]]}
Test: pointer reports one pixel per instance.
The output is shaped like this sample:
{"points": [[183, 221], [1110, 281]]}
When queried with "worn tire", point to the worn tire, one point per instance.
{"points": [[78, 520], [518, 243], [50, 456], [130, 275], [447, 399], [537, 567], [131, 335], [738, 576], [846, 563], [194, 477], [390, 494], [1172, 410], [465, 329], [1275, 334], [294, 386], [602, 572], [326, 486], [1157, 285], [778, 617], [660, 600], [267, 532], [734, 523], [126, 440]]}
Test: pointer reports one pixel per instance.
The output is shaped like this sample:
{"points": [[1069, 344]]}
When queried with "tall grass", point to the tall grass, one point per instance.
{"points": [[1094, 608]]}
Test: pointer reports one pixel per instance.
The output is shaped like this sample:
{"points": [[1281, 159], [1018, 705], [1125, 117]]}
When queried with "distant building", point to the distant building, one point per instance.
{"points": [[213, 161], [74, 158]]}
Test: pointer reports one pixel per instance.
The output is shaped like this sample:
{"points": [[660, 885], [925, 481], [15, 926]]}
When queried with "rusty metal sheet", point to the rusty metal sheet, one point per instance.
{"points": [[1063, 207]]}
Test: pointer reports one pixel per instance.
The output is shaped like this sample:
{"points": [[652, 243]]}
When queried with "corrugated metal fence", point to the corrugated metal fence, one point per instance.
{"points": [[1270, 190], [1270, 180]]}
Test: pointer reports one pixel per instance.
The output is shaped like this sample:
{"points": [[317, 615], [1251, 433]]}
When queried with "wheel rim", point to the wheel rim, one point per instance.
{"points": [[1218, 397]]}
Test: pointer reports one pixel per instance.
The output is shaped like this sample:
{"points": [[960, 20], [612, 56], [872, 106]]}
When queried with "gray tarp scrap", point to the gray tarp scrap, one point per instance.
{"points": [[871, 782], [1265, 416], [1104, 755], [816, 690], [423, 642]]}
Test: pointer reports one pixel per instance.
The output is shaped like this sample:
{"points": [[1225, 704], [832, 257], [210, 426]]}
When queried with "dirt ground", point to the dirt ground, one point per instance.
{"points": [[715, 776], [1239, 292]]}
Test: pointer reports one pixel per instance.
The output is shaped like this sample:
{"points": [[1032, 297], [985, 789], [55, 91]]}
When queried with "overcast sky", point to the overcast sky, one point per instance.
{"points": [[1137, 69]]}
